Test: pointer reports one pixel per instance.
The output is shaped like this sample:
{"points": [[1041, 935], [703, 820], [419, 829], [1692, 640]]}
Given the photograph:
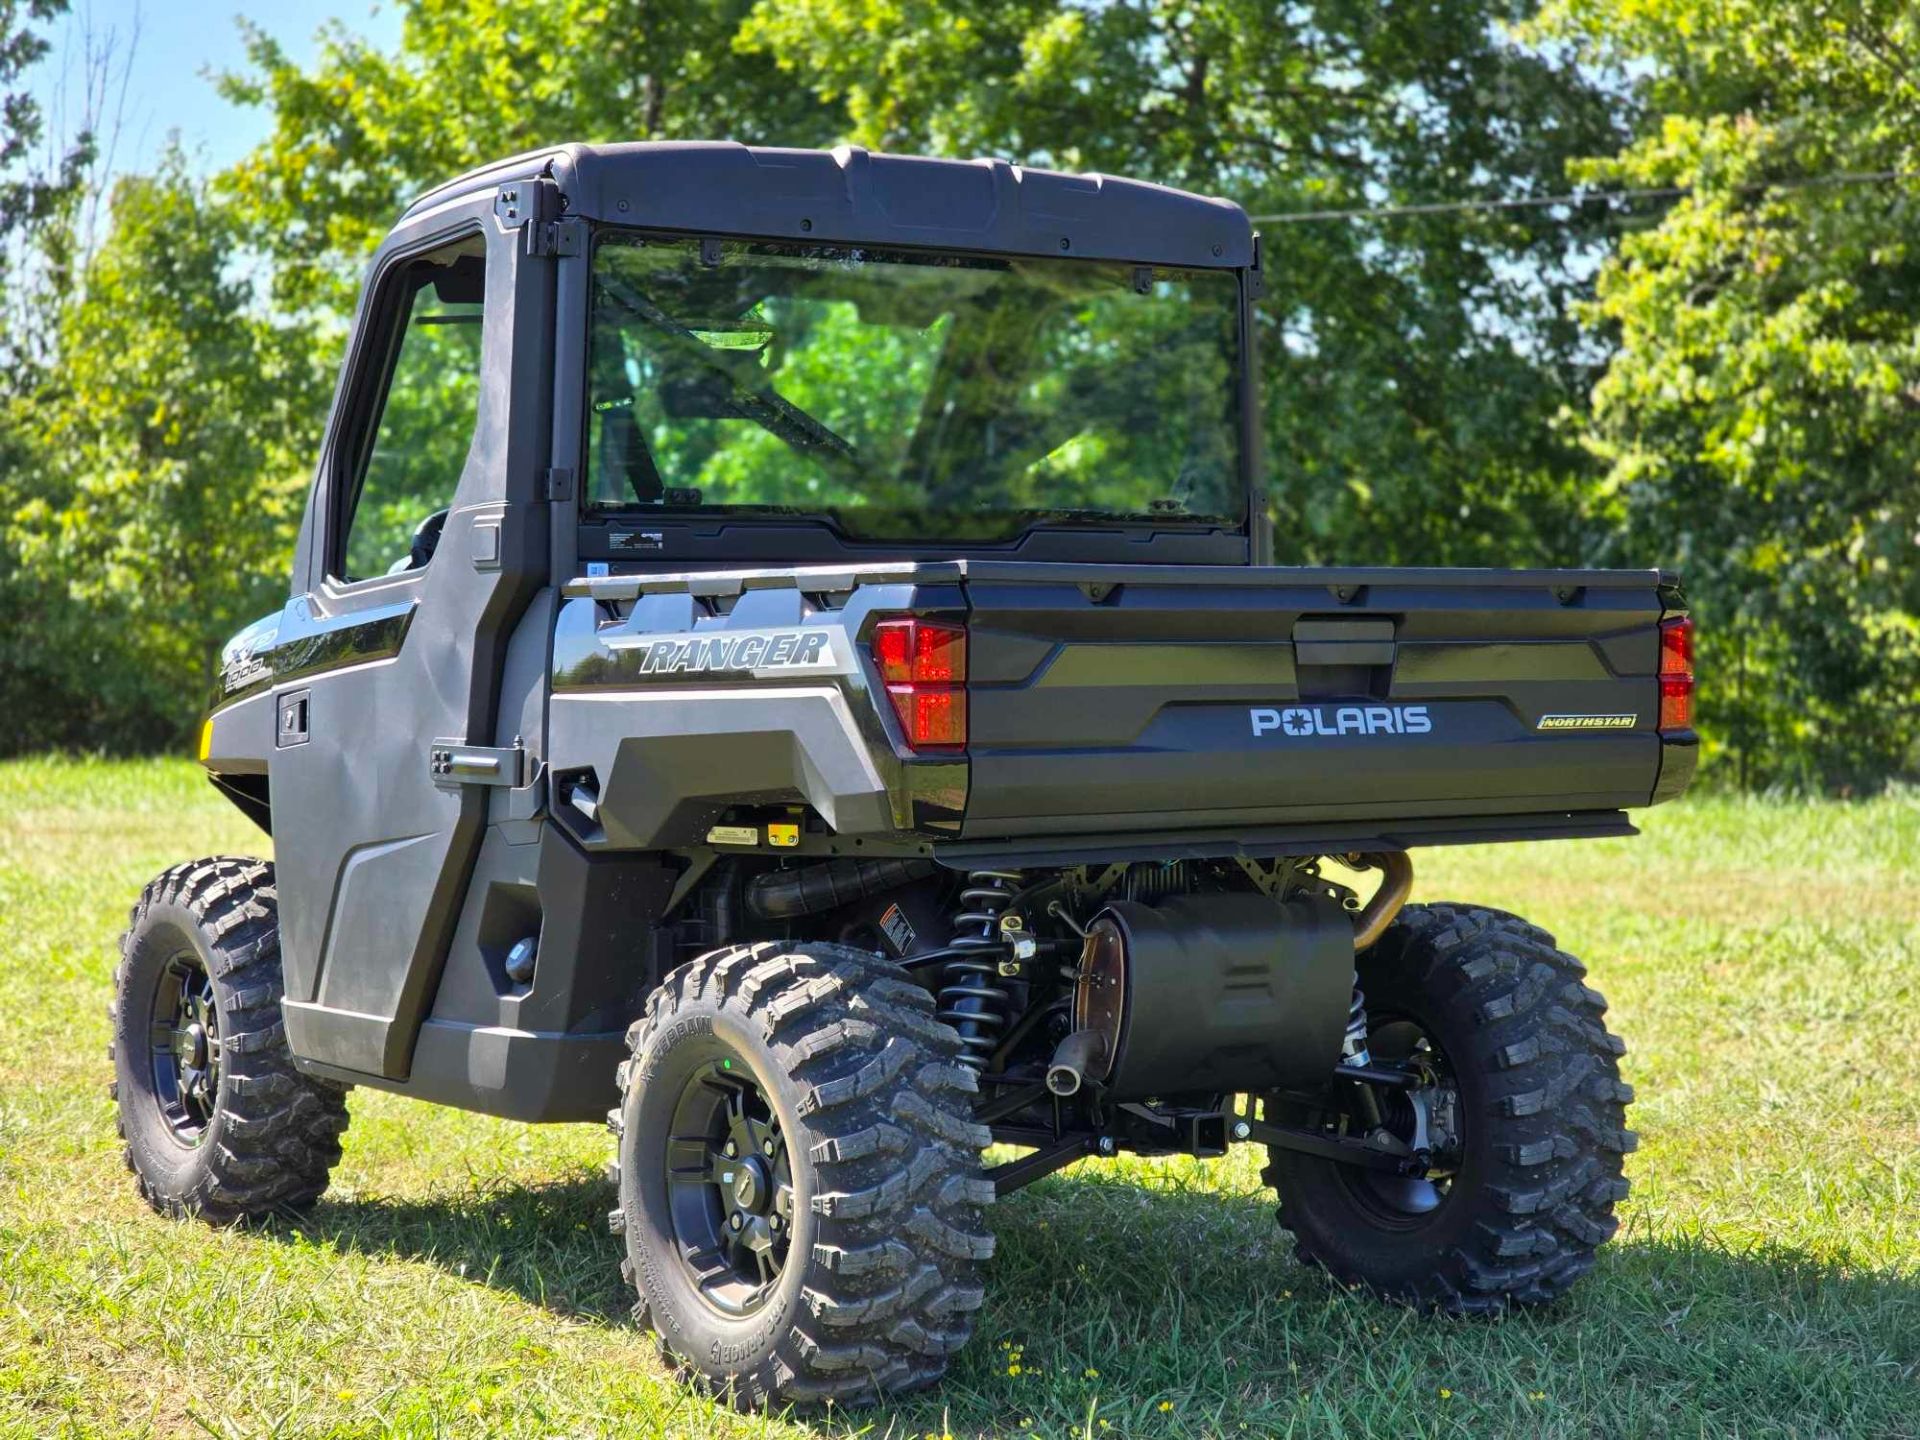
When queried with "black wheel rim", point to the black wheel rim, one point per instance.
{"points": [[185, 1047], [1409, 1201], [730, 1188]]}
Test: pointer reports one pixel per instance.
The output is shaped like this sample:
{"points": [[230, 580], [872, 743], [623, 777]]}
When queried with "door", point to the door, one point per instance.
{"points": [[423, 543]]}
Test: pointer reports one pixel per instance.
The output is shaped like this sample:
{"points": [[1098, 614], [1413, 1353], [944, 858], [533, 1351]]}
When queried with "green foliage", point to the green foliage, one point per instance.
{"points": [[1760, 419], [28, 196], [169, 460]]}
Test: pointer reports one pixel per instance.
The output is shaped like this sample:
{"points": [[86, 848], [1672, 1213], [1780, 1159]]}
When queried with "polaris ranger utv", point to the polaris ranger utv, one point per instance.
{"points": [[782, 653]]}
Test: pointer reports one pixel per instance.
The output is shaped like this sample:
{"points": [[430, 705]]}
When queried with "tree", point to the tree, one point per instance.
{"points": [[28, 195], [172, 449], [38, 200], [1760, 418]]}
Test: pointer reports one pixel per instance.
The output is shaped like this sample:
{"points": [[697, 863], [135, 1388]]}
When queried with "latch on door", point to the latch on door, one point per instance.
{"points": [[1343, 642], [1343, 658], [454, 763], [290, 726]]}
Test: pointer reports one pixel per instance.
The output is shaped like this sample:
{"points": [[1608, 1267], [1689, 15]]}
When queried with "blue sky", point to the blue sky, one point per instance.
{"points": [[175, 45]]}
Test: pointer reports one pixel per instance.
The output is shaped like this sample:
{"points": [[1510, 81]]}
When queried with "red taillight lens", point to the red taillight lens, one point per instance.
{"points": [[920, 652], [924, 666], [935, 718], [1676, 674]]}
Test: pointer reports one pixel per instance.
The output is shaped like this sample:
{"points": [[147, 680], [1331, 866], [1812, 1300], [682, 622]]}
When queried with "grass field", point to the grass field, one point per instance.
{"points": [[1761, 960]]}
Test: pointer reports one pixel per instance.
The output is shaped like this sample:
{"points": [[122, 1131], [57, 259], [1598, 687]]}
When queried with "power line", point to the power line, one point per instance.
{"points": [[1575, 197]]}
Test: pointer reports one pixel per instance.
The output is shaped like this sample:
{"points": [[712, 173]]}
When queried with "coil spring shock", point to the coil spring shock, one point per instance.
{"points": [[1353, 1049], [971, 997]]}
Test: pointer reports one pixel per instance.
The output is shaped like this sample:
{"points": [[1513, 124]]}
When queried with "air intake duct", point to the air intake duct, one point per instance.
{"points": [[1219, 994], [789, 894]]}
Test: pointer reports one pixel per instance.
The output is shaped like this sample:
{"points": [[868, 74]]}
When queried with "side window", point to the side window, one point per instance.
{"points": [[410, 436]]}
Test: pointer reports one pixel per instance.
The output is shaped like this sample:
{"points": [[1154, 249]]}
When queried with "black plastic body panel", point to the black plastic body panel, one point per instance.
{"points": [[656, 542], [850, 195], [544, 1050], [1166, 699], [671, 745]]}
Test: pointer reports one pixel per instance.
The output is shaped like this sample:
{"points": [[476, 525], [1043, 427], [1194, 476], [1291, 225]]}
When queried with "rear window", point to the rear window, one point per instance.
{"points": [[906, 395]]}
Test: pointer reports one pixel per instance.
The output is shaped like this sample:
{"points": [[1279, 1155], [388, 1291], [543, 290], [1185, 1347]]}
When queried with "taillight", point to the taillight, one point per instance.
{"points": [[1676, 673], [923, 664]]}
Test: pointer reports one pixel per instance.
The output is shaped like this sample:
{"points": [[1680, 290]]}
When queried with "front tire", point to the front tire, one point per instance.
{"points": [[799, 1176], [217, 1122], [1527, 1083]]}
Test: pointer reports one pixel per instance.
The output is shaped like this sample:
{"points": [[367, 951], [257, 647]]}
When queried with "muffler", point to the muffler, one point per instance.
{"points": [[1220, 994]]}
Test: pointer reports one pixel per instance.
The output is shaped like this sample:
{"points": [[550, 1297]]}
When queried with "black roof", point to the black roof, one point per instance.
{"points": [[854, 196]]}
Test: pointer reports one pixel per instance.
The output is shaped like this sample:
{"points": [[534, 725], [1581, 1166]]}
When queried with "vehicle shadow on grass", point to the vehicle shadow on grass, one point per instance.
{"points": [[549, 1242], [1103, 1287]]}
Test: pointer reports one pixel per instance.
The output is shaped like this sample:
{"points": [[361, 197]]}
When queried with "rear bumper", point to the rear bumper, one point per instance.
{"points": [[1679, 758], [1260, 843]]}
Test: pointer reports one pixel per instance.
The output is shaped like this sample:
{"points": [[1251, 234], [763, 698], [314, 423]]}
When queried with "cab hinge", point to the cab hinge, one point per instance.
{"points": [[519, 201], [558, 483], [554, 239], [1257, 277], [454, 763]]}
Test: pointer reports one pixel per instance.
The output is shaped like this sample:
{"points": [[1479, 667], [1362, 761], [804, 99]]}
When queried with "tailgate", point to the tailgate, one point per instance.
{"points": [[1161, 697]]}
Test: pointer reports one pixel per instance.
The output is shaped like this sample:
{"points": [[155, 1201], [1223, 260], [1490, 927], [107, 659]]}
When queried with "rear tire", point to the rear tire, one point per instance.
{"points": [[1541, 1113], [216, 1121], [799, 1176]]}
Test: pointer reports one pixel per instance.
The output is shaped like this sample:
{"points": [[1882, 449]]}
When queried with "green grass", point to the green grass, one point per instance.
{"points": [[458, 1279]]}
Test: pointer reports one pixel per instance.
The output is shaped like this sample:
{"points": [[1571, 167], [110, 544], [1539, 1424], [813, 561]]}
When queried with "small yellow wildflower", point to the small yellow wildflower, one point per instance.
{"points": [[1027, 1423], [1445, 1394], [1091, 1373], [1014, 1369], [474, 1407], [343, 1396], [1536, 1395], [1165, 1405]]}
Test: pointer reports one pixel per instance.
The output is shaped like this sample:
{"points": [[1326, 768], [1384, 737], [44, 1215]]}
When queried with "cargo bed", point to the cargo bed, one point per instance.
{"points": [[1156, 707]]}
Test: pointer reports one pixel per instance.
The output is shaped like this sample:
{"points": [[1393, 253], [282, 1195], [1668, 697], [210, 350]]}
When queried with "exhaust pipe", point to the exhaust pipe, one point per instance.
{"points": [[1080, 1052], [1396, 883]]}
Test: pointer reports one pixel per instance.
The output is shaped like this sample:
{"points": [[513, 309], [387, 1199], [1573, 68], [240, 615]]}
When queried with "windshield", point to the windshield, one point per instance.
{"points": [[911, 396]]}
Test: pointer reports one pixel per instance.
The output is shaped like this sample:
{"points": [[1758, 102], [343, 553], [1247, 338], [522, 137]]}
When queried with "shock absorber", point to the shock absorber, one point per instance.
{"points": [[971, 997], [1354, 1051]]}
